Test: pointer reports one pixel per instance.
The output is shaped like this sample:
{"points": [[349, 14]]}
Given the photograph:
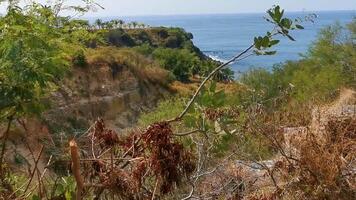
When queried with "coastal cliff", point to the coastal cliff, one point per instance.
{"points": [[116, 85]]}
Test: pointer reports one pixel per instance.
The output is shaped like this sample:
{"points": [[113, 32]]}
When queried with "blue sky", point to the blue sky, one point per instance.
{"points": [[167, 7], [173, 7]]}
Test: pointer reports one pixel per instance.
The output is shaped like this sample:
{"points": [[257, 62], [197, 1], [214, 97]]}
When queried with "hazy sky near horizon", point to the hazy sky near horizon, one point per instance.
{"points": [[174, 7]]}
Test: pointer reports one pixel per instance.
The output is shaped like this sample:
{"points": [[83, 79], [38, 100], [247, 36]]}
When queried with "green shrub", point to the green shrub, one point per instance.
{"points": [[329, 65], [178, 61], [144, 49], [118, 37], [79, 59], [165, 109]]}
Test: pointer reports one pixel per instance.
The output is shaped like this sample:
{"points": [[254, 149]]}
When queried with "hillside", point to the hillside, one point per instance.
{"points": [[117, 81], [113, 81]]}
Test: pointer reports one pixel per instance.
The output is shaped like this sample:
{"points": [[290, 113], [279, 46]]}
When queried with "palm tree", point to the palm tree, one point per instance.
{"points": [[109, 25], [129, 25], [121, 22], [114, 23], [141, 25], [98, 23], [134, 24]]}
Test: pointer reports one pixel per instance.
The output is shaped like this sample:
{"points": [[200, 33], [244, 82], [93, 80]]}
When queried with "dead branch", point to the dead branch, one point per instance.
{"points": [[187, 133], [5, 137], [76, 168], [34, 169]]}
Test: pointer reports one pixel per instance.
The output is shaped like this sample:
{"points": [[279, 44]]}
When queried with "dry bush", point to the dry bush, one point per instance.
{"points": [[138, 166], [227, 182], [323, 166], [326, 168], [183, 89]]}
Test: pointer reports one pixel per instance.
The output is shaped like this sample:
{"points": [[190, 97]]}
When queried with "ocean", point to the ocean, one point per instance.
{"points": [[221, 36]]}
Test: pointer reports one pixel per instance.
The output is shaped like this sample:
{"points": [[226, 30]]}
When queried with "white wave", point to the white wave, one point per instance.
{"points": [[217, 58]]}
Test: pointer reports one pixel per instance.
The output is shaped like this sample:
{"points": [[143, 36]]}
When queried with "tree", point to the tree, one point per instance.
{"points": [[98, 23], [109, 25], [115, 23], [35, 45], [121, 23], [178, 61], [141, 25], [134, 24]]}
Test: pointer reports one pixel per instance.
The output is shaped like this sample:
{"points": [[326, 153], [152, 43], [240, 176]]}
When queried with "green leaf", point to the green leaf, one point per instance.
{"points": [[286, 23], [271, 14], [265, 41], [270, 52], [258, 53], [258, 42], [299, 26], [273, 42], [285, 32], [278, 14], [282, 13], [290, 37]]}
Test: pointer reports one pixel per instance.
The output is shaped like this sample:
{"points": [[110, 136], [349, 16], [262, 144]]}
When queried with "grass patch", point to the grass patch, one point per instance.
{"points": [[165, 109], [145, 69]]}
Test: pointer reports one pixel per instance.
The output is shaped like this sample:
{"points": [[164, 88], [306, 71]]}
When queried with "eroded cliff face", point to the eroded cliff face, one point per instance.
{"points": [[115, 85], [102, 90]]}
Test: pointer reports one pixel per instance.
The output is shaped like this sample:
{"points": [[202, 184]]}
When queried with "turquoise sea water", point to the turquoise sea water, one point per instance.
{"points": [[223, 35]]}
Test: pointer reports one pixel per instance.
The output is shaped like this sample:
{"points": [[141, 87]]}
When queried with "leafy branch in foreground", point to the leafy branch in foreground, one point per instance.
{"points": [[260, 46], [35, 49]]}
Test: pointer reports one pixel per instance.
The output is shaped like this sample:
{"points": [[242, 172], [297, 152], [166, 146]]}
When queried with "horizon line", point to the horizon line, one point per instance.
{"points": [[227, 13]]}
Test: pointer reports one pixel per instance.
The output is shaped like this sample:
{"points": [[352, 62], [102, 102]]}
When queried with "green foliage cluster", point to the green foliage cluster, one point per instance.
{"points": [[329, 65], [154, 37], [283, 26], [31, 57], [34, 56], [184, 64], [166, 109], [178, 61], [212, 97], [171, 47]]}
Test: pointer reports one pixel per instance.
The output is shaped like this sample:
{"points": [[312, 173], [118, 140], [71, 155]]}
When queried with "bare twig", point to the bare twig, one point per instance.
{"points": [[92, 143], [187, 133], [5, 137], [109, 159], [34, 169], [154, 190]]}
